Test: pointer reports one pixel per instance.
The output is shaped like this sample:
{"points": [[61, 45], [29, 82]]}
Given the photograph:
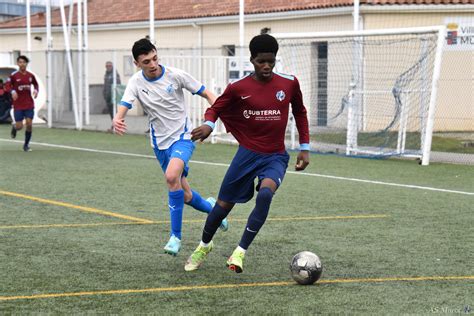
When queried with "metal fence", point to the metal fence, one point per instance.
{"points": [[215, 71]]}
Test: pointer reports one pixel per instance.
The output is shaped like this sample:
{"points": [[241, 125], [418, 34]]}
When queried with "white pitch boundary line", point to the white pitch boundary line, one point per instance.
{"points": [[226, 165]]}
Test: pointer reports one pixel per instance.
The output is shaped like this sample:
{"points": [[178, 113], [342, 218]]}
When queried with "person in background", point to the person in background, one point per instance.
{"points": [[108, 85], [19, 85], [5, 104]]}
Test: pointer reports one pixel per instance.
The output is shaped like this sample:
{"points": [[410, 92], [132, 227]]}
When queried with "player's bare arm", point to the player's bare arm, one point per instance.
{"points": [[36, 87], [302, 160], [201, 133], [209, 96], [120, 127]]}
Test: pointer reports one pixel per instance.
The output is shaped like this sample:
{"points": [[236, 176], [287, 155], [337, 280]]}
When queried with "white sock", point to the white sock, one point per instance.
{"points": [[203, 244], [241, 249]]}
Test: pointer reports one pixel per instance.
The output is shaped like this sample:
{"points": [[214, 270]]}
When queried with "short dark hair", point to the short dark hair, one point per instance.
{"points": [[23, 57], [142, 47], [263, 43]]}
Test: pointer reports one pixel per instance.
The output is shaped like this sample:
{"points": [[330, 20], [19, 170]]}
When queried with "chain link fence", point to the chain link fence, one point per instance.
{"points": [[453, 138]]}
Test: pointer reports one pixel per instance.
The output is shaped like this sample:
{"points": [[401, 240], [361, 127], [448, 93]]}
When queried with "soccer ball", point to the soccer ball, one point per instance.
{"points": [[306, 268]]}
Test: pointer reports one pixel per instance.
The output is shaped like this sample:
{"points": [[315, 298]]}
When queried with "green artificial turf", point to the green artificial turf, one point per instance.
{"points": [[78, 225]]}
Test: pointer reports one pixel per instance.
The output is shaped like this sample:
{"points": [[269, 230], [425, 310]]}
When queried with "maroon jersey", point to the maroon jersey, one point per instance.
{"points": [[256, 113], [21, 84]]}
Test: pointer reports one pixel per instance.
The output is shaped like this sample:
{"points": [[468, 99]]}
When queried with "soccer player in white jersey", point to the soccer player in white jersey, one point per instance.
{"points": [[160, 91]]}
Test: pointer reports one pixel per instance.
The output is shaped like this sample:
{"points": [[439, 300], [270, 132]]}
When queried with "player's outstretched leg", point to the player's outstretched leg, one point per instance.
{"points": [[26, 145], [236, 260], [173, 245], [28, 133], [206, 206], [224, 226], [198, 256], [255, 222], [175, 204], [214, 220], [13, 131]]}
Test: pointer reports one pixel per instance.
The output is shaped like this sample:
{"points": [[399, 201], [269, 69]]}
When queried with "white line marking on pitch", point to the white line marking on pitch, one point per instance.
{"points": [[226, 165]]}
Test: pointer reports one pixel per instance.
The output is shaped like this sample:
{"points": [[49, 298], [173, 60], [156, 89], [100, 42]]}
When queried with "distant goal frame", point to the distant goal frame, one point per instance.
{"points": [[351, 146]]}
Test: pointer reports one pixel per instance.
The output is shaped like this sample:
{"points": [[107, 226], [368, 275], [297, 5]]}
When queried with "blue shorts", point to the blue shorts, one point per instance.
{"points": [[22, 114], [238, 183], [182, 149]]}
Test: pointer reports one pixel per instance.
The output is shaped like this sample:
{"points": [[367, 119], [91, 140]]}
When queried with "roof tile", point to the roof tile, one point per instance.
{"points": [[118, 11]]}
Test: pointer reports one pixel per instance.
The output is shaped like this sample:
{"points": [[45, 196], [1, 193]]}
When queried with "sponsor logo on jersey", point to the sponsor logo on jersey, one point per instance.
{"points": [[280, 95], [245, 97], [145, 91], [24, 87], [263, 115]]}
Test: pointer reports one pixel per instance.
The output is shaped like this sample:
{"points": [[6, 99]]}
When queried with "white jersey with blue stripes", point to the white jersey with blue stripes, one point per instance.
{"points": [[163, 101]]}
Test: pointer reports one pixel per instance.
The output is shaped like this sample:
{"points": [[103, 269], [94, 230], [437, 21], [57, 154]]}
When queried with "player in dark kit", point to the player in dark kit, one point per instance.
{"points": [[19, 84], [255, 111]]}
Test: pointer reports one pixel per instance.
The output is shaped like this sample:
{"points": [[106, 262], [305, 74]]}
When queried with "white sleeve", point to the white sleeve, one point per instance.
{"points": [[190, 83], [130, 94]]}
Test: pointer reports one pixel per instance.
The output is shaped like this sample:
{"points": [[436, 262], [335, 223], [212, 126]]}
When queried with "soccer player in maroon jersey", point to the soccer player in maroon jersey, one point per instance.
{"points": [[255, 111], [19, 84]]}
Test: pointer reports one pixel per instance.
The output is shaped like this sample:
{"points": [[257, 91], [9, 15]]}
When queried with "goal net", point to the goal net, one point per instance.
{"points": [[368, 93]]}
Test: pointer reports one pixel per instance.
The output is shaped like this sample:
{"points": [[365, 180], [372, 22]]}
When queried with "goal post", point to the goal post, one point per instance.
{"points": [[368, 93], [434, 93]]}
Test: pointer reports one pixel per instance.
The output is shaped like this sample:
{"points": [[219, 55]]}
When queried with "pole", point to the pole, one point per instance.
{"points": [[71, 12], [28, 27], [241, 37], [356, 14], [86, 65], [49, 65], [152, 21], [354, 96], [69, 64], [79, 64], [434, 92]]}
